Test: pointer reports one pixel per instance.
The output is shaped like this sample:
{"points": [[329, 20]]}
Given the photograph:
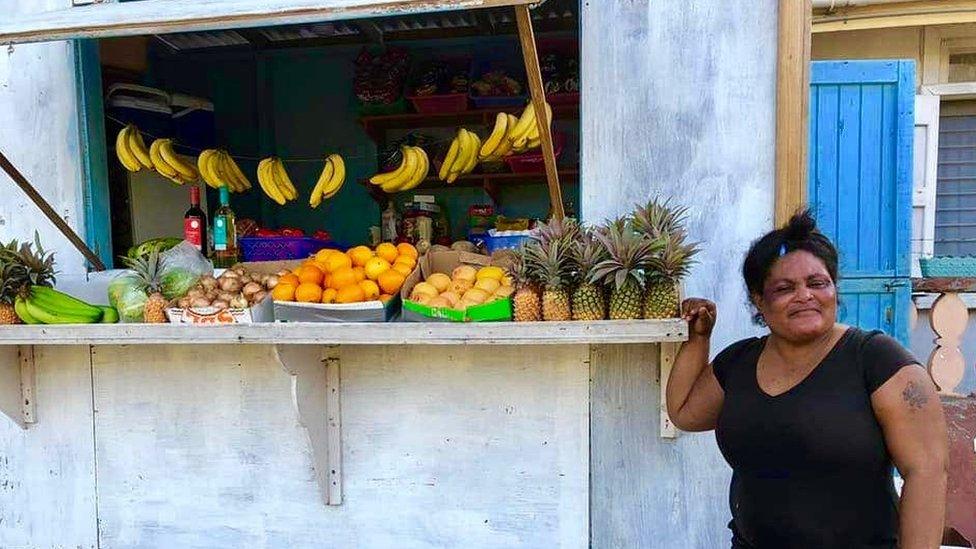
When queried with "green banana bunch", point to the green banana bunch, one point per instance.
{"points": [[49, 306]]}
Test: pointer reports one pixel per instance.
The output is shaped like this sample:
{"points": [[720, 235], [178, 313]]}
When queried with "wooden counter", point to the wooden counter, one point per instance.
{"points": [[391, 333]]}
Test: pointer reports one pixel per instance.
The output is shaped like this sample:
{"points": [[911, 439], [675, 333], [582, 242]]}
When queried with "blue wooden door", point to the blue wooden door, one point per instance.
{"points": [[861, 129]]}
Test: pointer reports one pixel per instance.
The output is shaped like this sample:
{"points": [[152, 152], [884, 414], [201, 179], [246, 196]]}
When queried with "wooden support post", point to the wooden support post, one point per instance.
{"points": [[537, 88], [315, 392], [28, 381], [792, 107], [49, 212], [668, 353]]}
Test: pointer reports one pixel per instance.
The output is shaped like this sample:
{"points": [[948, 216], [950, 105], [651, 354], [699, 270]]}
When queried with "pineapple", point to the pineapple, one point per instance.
{"points": [[552, 264], [668, 267], [662, 221], [623, 270], [20, 269], [525, 303], [588, 299], [149, 270]]}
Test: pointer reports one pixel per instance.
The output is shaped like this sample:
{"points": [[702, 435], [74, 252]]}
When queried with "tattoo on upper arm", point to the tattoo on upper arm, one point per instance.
{"points": [[914, 396]]}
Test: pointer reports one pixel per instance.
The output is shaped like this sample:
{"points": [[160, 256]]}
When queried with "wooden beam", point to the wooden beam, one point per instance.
{"points": [[49, 212], [538, 91], [898, 14], [792, 107], [166, 16]]}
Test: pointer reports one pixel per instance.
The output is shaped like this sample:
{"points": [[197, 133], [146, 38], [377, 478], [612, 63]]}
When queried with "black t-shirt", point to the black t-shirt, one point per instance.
{"points": [[810, 466]]}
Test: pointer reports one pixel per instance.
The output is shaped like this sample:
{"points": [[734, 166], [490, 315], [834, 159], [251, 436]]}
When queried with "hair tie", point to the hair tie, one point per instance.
{"points": [[782, 249]]}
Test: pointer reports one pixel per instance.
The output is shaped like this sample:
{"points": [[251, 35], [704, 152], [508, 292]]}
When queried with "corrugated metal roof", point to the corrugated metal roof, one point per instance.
{"points": [[388, 27]]}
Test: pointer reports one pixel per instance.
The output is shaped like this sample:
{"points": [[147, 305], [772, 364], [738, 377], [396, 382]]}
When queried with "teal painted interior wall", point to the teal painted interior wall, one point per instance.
{"points": [[299, 104]]}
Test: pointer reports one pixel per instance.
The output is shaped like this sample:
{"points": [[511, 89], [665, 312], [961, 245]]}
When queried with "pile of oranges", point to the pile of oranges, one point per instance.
{"points": [[357, 275]]}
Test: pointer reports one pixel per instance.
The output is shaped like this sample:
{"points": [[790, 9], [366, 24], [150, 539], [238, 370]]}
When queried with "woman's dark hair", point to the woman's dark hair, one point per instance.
{"points": [[799, 234]]}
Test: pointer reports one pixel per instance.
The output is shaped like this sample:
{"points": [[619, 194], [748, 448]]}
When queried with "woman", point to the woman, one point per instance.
{"points": [[811, 416]]}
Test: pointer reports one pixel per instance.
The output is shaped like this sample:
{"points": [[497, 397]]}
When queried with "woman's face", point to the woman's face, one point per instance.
{"points": [[799, 299]]}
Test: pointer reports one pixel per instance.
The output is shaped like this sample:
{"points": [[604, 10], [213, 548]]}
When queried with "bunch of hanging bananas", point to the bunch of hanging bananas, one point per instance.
{"points": [[524, 135], [131, 149], [275, 182], [48, 306], [330, 180], [497, 145], [413, 169], [218, 168], [462, 157], [171, 165]]}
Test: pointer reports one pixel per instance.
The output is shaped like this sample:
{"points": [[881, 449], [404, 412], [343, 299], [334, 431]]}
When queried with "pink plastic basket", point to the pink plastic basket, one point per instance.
{"points": [[533, 162], [436, 104]]}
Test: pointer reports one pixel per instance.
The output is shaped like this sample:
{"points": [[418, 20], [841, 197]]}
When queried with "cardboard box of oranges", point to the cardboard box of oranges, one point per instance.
{"points": [[459, 287], [361, 284]]}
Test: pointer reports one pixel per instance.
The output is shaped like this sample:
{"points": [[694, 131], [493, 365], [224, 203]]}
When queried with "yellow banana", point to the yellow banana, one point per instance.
{"points": [[473, 157], [138, 147], [533, 144], [497, 136], [284, 182], [534, 132], [315, 198], [410, 162], [186, 170], [422, 171], [234, 171], [524, 125], [396, 177], [205, 166], [160, 165], [452, 155], [126, 157], [338, 176], [266, 181]]}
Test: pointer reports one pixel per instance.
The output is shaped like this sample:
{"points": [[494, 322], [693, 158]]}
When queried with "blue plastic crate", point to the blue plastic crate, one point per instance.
{"points": [[193, 124], [505, 240]]}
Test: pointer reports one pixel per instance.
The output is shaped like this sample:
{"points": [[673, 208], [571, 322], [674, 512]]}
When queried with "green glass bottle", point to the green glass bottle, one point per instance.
{"points": [[224, 233]]}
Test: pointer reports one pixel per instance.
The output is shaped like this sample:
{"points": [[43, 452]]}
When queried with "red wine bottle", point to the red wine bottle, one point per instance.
{"points": [[195, 222]]}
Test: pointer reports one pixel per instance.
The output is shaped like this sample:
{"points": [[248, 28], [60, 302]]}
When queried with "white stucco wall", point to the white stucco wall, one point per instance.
{"points": [[39, 134], [680, 101]]}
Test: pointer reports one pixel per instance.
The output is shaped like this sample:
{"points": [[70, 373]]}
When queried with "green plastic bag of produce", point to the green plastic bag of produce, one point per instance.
{"points": [[127, 293], [182, 267]]}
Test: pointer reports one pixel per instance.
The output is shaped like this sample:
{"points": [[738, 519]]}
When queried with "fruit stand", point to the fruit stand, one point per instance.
{"points": [[586, 301], [432, 432]]}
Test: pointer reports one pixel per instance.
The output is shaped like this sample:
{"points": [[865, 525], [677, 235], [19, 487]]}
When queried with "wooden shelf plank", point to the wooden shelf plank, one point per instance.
{"points": [[392, 333], [487, 181], [376, 126]]}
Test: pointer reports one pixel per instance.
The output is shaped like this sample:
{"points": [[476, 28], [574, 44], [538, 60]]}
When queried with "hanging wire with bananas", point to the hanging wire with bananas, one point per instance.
{"points": [[509, 135], [218, 168]]}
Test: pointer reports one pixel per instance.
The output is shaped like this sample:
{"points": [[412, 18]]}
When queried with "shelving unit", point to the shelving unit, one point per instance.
{"points": [[377, 126], [490, 182]]}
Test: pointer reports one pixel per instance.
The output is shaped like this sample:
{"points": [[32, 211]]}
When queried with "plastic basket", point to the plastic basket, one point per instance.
{"points": [[491, 62], [436, 104], [504, 240], [193, 124], [533, 162], [278, 248], [383, 109], [948, 267]]}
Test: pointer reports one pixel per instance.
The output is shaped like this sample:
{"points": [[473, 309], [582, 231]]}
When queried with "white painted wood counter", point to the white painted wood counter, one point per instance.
{"points": [[377, 435], [390, 333]]}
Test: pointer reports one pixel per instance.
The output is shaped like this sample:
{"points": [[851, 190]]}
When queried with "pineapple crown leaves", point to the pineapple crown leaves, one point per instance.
{"points": [[587, 252], [629, 253], [657, 218], [565, 229], [551, 263], [520, 270], [674, 260], [22, 267], [147, 268]]}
